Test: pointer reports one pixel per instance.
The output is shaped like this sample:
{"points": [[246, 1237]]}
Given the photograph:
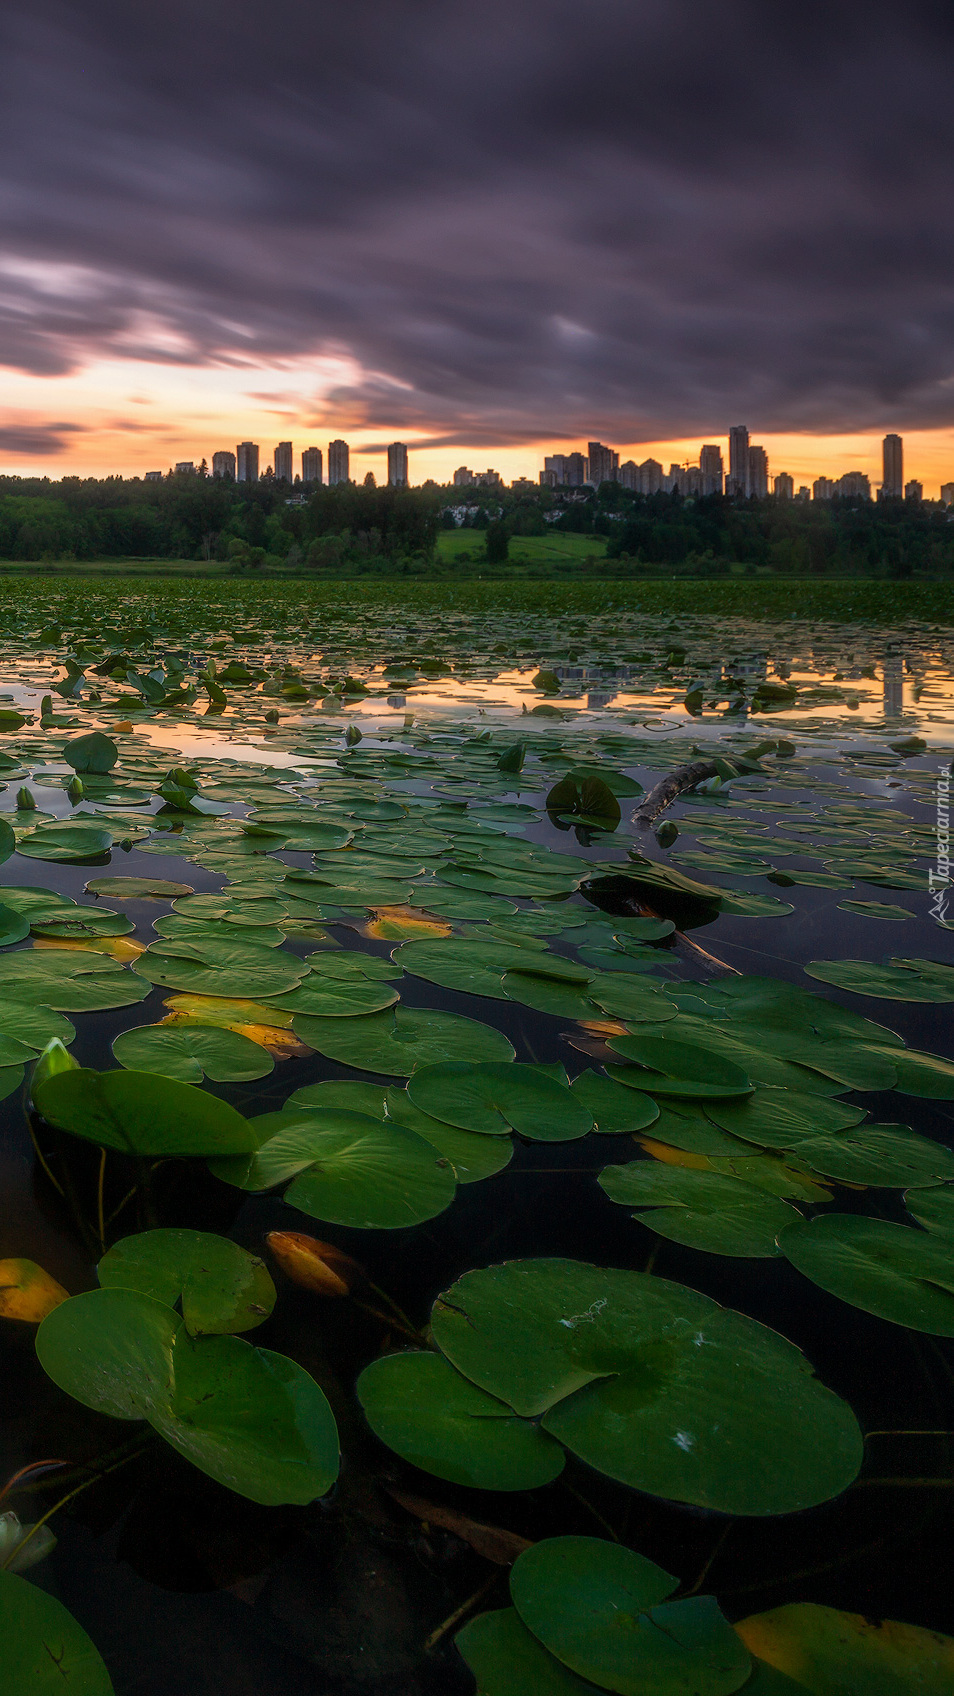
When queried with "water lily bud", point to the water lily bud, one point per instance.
{"points": [[352, 735], [316, 1266], [54, 1059], [25, 801], [667, 833], [75, 789], [271, 717]]}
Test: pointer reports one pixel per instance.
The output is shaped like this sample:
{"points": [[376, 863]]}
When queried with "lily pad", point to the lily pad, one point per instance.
{"points": [[400, 1039], [507, 1660], [192, 1052], [830, 1653], [472, 1156], [140, 1113], [222, 1288], [45, 1650], [700, 1209], [348, 1169], [783, 1118], [897, 1273], [617, 1111], [252, 1419], [138, 888], [439, 1421], [888, 1155], [680, 1069], [67, 843], [602, 1610], [902, 980], [614, 1363], [494, 1099]]}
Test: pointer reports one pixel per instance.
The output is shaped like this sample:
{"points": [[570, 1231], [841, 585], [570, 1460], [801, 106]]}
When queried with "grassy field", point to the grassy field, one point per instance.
{"points": [[463, 547]]}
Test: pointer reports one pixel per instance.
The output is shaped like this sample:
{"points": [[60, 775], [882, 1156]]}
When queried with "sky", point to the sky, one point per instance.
{"points": [[491, 231]]}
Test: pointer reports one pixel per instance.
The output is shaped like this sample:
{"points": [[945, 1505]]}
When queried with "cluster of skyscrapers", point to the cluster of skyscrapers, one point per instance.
{"points": [[748, 474], [242, 466]]}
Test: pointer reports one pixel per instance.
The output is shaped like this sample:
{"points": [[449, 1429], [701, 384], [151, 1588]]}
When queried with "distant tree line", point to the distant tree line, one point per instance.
{"points": [[358, 527]]}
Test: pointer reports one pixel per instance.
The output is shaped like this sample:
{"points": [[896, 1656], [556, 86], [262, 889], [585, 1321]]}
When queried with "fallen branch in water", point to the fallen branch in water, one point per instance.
{"points": [[670, 788]]}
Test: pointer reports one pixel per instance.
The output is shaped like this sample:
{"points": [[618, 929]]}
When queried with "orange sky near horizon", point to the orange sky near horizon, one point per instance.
{"points": [[129, 416]]}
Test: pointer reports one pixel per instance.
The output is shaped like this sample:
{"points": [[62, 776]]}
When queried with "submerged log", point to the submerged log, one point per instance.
{"points": [[670, 788]]}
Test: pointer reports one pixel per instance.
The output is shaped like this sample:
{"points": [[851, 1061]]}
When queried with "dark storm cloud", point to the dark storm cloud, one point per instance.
{"points": [[36, 439], [632, 217]]}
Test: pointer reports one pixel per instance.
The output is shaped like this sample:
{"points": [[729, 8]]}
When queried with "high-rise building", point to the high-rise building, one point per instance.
{"points": [[914, 491], [283, 462], [712, 469], [185, 465], [628, 475], [892, 449], [650, 477], [223, 464], [804, 492], [823, 489], [556, 462], [338, 462], [311, 465], [854, 485], [758, 471], [604, 463], [152, 476], [947, 494], [576, 470], [397, 465], [738, 483], [784, 487], [548, 478], [247, 453], [463, 477]]}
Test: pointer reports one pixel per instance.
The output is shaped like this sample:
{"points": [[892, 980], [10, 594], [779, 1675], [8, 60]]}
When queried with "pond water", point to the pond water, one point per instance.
{"points": [[392, 862]]}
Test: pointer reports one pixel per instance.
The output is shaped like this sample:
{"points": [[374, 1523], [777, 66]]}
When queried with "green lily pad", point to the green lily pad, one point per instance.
{"points": [[680, 1069], [476, 968], [602, 1610], [507, 1660], [653, 1384], [494, 1099], [545, 995], [400, 1039], [192, 1052], [80, 923], [472, 1156], [14, 926], [783, 1118], [348, 1168], [138, 888], [617, 1111], [252, 1419], [439, 1421], [68, 982], [927, 1076], [45, 1650], [683, 1125], [895, 1272], [66, 843], [140, 1113], [902, 980], [875, 910], [625, 996], [700, 1209], [223, 1288], [91, 753], [327, 997], [230, 969], [933, 1208], [885, 1155], [177, 928]]}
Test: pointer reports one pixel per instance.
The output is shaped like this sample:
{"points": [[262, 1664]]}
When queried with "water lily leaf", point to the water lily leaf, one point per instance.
{"points": [[933, 1208], [252, 1419], [92, 753], [575, 1593], [928, 1076], [439, 1421], [902, 980], [321, 995], [67, 981], [192, 1052], [472, 1155], [68, 843], [141, 1113], [493, 1099], [44, 1647], [474, 967], [700, 1209], [895, 1272], [80, 923], [400, 1039], [830, 1653], [681, 1069], [27, 1292], [682, 1125], [613, 1362], [222, 1288], [625, 996], [223, 969], [617, 1111], [507, 1660], [354, 1170], [890, 1155], [875, 910], [584, 796], [14, 926], [783, 1118], [138, 888]]}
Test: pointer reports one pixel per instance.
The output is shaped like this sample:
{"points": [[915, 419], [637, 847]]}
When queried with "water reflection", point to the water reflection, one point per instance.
{"points": [[893, 677]]}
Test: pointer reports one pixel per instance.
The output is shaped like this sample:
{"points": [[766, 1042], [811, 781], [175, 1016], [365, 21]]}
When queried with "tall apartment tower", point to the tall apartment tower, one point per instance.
{"points": [[604, 463], [892, 486], [338, 462], [463, 477], [784, 488], [738, 483], [397, 465], [758, 471], [710, 465], [223, 464], [576, 470], [247, 453], [283, 462], [311, 465]]}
